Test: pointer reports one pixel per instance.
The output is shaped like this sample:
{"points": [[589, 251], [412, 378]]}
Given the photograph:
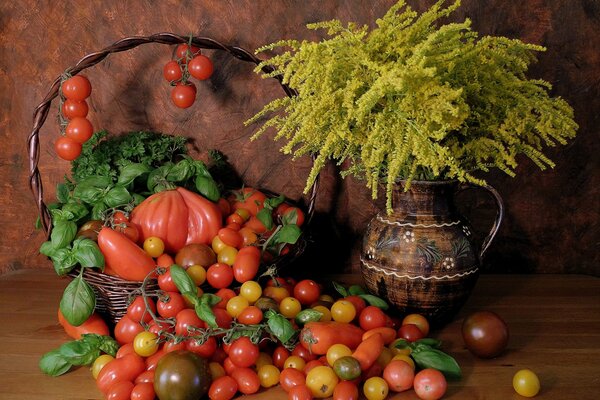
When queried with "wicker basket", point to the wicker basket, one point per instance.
{"points": [[112, 292]]}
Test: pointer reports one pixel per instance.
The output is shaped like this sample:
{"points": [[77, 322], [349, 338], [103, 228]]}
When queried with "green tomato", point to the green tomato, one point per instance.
{"points": [[182, 375]]}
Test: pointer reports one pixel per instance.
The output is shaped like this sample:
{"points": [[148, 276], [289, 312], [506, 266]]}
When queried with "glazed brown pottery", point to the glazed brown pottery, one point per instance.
{"points": [[422, 257]]}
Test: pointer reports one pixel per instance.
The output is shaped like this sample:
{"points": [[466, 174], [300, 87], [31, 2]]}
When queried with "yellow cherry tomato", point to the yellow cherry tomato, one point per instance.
{"points": [[154, 246], [197, 273], [375, 388], [263, 359], [251, 290], [526, 383], [236, 305], [290, 307], [405, 358], [343, 311], [326, 317], [217, 244], [337, 351], [268, 376], [99, 363], [321, 381], [216, 370], [145, 343], [327, 298], [227, 255], [295, 362]]}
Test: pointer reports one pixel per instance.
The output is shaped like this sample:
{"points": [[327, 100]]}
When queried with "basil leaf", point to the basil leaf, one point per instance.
{"points": [[117, 196], [87, 193], [108, 345], [434, 358], [79, 352], [62, 193], [78, 301], [98, 210], [87, 253], [208, 188], [130, 172], [47, 249], [157, 176], [63, 233], [356, 290], [374, 301], [54, 364], [96, 181], [308, 315], [205, 313], [183, 281], [77, 210], [181, 171], [288, 234], [137, 199], [340, 289], [266, 218], [201, 169], [280, 326], [402, 344], [59, 215], [63, 260], [210, 299], [435, 343], [274, 202]]}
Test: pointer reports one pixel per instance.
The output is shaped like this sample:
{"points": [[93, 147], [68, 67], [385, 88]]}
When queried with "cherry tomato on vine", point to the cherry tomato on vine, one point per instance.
{"points": [[243, 353], [204, 350], [165, 281], [184, 51], [187, 318], [307, 291], [293, 215], [430, 384], [200, 67], [74, 108], [172, 71], [145, 343], [183, 95], [79, 129], [154, 246], [67, 148], [169, 306], [77, 88], [137, 310]]}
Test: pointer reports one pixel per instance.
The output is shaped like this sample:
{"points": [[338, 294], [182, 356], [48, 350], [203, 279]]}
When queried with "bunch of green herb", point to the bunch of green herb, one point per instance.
{"points": [[413, 99]]}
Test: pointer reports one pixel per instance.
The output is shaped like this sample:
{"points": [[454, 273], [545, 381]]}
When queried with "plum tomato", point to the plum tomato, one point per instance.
{"points": [[290, 377], [247, 380], [485, 334], [223, 388]]}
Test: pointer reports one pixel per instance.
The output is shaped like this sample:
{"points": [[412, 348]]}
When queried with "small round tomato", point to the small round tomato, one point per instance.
{"points": [[137, 310], [143, 391], [263, 359], [126, 330], [321, 381], [326, 313], [337, 351], [347, 368], [526, 383], [227, 255], [372, 317], [280, 354], [67, 148], [236, 305], [249, 199], [145, 343], [303, 353], [293, 215], [235, 218], [399, 376], [125, 349], [204, 350], [375, 388], [169, 305], [410, 332], [187, 320], [77, 88], [251, 290], [200, 67], [300, 392], [268, 375], [183, 95], [345, 390], [99, 363], [406, 358], [197, 273], [185, 52], [217, 244], [276, 293], [430, 384], [154, 246], [343, 311], [290, 307], [223, 388], [128, 229], [225, 294], [172, 345], [294, 362], [165, 281], [247, 380], [358, 303], [243, 353], [418, 320], [248, 236], [219, 275], [172, 71], [73, 108], [216, 370], [485, 334], [307, 291], [290, 377], [79, 129], [251, 315]]}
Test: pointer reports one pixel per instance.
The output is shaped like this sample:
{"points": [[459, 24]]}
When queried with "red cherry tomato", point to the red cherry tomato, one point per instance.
{"points": [[243, 353], [345, 390], [183, 95], [126, 330], [430, 384], [293, 215], [300, 392], [251, 315], [372, 317], [186, 320], [122, 369], [75, 108], [225, 294], [410, 332], [200, 67], [165, 281], [186, 52], [77, 88], [79, 129], [67, 148], [291, 377], [172, 71], [223, 388], [137, 310], [246, 264], [307, 291], [219, 275], [171, 305], [119, 391], [247, 380], [279, 356], [129, 230], [204, 350], [143, 391], [230, 237], [222, 318]]}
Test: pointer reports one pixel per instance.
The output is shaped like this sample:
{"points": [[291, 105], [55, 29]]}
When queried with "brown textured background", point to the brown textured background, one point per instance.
{"points": [[552, 217]]}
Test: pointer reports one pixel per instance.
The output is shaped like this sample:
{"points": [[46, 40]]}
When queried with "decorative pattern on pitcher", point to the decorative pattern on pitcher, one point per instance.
{"points": [[471, 271], [410, 224], [428, 250]]}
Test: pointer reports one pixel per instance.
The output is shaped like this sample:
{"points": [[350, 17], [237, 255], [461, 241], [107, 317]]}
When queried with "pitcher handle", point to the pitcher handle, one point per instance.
{"points": [[499, 215]]}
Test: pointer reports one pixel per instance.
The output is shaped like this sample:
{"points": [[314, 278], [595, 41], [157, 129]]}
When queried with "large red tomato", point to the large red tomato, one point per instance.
{"points": [[178, 217]]}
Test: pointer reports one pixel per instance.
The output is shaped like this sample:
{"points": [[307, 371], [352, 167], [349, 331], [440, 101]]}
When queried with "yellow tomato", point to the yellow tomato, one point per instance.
{"points": [[337, 351], [405, 358], [145, 343], [154, 246], [343, 311], [375, 388], [216, 370], [526, 383], [99, 363], [321, 381], [197, 273], [227, 255], [251, 290], [263, 359], [290, 307], [326, 317], [294, 362], [217, 245], [268, 375], [236, 305]]}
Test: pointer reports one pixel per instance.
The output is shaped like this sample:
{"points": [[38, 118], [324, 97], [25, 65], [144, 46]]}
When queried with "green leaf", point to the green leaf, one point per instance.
{"points": [[205, 313], [87, 193], [63, 233], [208, 188], [280, 326], [63, 261], [356, 290], [62, 193], [308, 315], [436, 359], [340, 289], [137, 199], [58, 215], [183, 281], [108, 345], [78, 301], [158, 176], [201, 169], [87, 253], [98, 210], [374, 301], [77, 210], [54, 364], [182, 171], [80, 352], [47, 249], [117, 196], [211, 299], [96, 181], [130, 172], [290, 218], [266, 218], [435, 343], [288, 234], [273, 202]]}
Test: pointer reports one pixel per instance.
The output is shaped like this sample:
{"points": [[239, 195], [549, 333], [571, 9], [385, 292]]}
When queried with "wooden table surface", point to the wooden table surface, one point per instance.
{"points": [[554, 323]]}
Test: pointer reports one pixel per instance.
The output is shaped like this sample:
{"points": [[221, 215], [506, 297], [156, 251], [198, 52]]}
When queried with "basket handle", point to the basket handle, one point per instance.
{"points": [[41, 111]]}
